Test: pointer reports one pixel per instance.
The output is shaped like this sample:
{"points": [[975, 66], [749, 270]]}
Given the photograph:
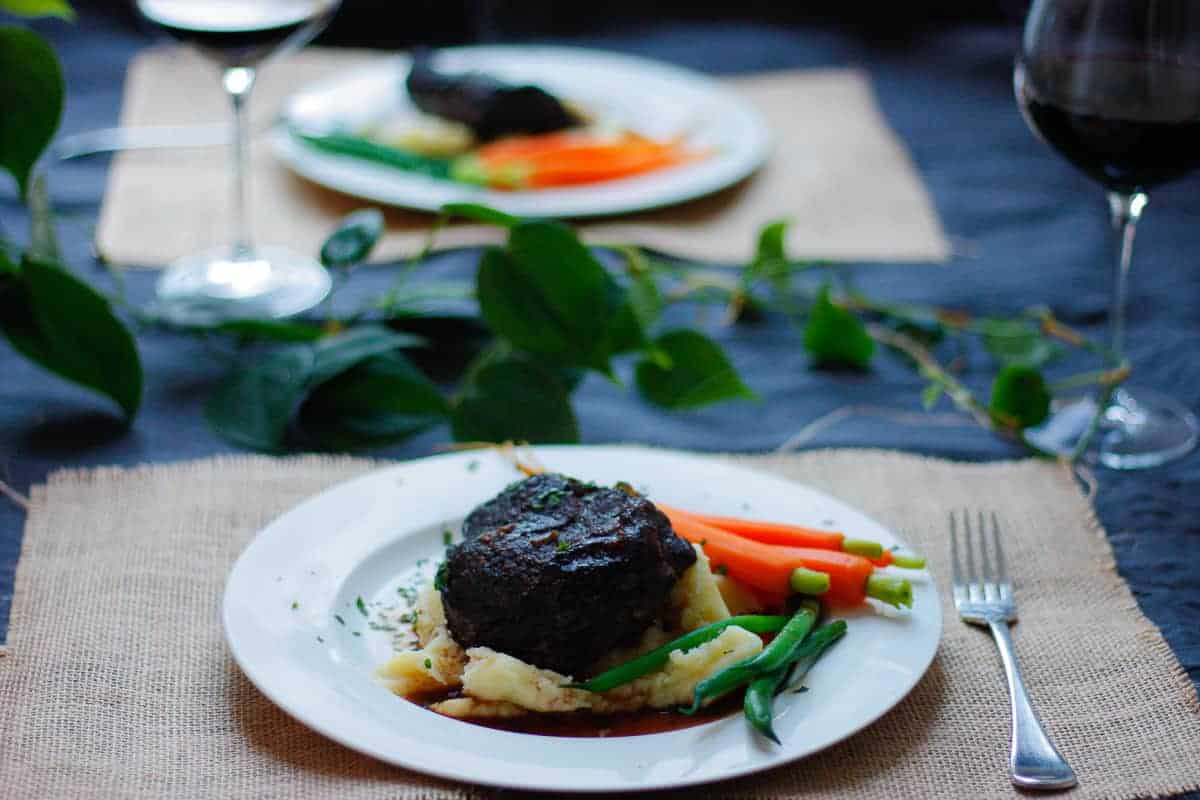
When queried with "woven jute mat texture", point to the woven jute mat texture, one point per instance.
{"points": [[118, 682], [838, 173]]}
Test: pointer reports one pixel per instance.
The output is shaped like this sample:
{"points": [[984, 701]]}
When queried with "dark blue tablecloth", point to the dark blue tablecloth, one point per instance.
{"points": [[1038, 229]]}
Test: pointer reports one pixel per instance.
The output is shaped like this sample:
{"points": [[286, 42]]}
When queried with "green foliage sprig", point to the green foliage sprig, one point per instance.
{"points": [[549, 312], [47, 313]]}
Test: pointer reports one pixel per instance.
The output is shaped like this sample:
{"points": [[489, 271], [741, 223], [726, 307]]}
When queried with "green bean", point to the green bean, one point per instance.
{"points": [[756, 705], [632, 670], [362, 148], [775, 655]]}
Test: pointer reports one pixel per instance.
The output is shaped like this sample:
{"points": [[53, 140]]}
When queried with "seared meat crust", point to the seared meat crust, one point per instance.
{"points": [[557, 572]]}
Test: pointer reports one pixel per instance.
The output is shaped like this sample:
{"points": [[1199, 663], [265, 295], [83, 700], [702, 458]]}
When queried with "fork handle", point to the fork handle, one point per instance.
{"points": [[1034, 763]]}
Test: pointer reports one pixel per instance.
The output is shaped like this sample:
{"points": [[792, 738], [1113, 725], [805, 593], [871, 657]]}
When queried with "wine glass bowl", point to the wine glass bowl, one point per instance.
{"points": [[242, 279], [1114, 87]]}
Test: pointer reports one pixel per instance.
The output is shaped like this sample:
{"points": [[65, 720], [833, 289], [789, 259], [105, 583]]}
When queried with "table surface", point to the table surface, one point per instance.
{"points": [[1037, 230]]}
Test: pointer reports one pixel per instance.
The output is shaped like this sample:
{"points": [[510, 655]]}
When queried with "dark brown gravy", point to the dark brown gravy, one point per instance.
{"points": [[584, 724]]}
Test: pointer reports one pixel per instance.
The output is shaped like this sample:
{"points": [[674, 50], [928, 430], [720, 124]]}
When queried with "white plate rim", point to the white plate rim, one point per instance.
{"points": [[235, 632], [641, 193]]}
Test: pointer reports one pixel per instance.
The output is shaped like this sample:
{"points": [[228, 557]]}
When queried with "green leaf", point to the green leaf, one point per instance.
{"points": [[835, 337], [1017, 342], [39, 8], [480, 213], [381, 400], [353, 240], [515, 399], [335, 354], [770, 256], [278, 330], [1020, 397], [771, 242], [642, 308], [31, 101], [548, 295], [699, 373], [254, 407], [64, 325]]}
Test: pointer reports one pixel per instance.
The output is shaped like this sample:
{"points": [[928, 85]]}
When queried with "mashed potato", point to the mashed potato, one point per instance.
{"points": [[499, 685]]}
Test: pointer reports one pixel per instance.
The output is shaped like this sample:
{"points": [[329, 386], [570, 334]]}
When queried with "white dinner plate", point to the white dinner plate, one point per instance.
{"points": [[649, 97], [362, 538]]}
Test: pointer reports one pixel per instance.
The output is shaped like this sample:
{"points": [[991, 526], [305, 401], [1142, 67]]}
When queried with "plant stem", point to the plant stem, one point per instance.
{"points": [[1104, 378], [960, 395]]}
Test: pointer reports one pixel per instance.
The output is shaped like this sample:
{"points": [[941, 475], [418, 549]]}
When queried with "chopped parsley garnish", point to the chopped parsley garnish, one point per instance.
{"points": [[703, 542], [338, 617], [356, 633], [361, 606], [447, 537], [409, 593], [320, 640], [473, 465], [721, 569], [562, 545], [295, 604], [439, 580], [428, 664], [547, 499]]}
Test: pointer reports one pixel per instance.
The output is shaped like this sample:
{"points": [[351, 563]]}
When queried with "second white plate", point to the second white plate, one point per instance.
{"points": [[292, 622], [649, 97]]}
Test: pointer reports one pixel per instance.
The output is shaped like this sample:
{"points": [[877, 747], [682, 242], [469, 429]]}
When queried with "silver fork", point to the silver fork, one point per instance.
{"points": [[985, 598]]}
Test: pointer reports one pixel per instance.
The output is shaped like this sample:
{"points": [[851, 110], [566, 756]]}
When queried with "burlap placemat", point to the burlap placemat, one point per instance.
{"points": [[118, 683], [837, 172]]}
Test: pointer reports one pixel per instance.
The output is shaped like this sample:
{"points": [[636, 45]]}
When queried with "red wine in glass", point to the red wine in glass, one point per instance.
{"points": [[1129, 139], [1114, 87], [239, 32]]}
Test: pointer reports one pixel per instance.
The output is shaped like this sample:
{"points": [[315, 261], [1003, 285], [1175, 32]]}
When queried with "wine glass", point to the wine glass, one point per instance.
{"points": [[1114, 87], [244, 279]]}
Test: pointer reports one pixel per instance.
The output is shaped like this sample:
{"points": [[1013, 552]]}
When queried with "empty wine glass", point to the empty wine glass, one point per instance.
{"points": [[243, 279], [1114, 87]]}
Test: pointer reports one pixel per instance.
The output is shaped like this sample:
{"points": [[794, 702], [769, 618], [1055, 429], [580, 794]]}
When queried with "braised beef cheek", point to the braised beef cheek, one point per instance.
{"points": [[557, 572]]}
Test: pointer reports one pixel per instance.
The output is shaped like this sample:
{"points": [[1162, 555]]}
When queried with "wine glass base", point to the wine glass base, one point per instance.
{"points": [[1140, 429], [224, 284]]}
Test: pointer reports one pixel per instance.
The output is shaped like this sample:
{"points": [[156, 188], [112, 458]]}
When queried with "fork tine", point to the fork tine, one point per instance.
{"points": [[974, 592], [1001, 569], [986, 578], [955, 570]]}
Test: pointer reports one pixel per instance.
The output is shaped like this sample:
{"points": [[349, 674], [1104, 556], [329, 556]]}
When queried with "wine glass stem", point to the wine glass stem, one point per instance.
{"points": [[238, 81], [1126, 209]]}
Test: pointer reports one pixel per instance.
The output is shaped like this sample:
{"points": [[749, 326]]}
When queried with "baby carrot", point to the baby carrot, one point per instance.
{"points": [[775, 570], [799, 536], [766, 532]]}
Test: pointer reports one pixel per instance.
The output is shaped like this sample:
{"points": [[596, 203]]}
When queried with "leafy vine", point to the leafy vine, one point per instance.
{"points": [[547, 310]]}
